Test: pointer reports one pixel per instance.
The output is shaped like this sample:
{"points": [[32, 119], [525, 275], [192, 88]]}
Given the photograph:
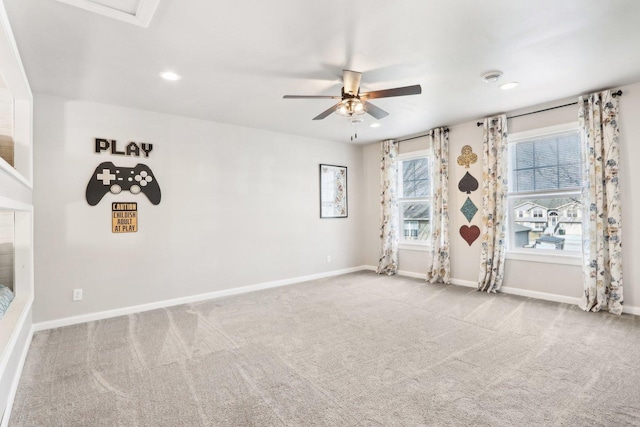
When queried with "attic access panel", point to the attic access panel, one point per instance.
{"points": [[137, 12]]}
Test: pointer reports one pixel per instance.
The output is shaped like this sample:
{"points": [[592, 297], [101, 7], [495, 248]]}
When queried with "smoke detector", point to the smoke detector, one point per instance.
{"points": [[491, 76]]}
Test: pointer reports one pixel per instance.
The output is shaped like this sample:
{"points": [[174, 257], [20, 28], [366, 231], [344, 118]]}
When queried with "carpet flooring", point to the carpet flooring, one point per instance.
{"points": [[353, 350]]}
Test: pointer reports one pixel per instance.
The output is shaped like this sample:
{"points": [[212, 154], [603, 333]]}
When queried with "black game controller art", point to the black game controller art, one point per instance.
{"points": [[110, 178]]}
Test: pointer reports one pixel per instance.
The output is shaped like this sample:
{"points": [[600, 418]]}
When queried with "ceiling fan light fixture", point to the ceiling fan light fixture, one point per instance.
{"points": [[350, 107]]}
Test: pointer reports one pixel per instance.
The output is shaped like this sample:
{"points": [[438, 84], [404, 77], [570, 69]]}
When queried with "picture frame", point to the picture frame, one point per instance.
{"points": [[333, 191]]}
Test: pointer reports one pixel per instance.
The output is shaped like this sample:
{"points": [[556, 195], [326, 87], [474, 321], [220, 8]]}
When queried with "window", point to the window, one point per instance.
{"points": [[414, 196], [545, 168], [573, 213]]}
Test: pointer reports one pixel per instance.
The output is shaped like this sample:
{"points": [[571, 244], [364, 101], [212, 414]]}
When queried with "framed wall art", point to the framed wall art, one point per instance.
{"points": [[333, 191]]}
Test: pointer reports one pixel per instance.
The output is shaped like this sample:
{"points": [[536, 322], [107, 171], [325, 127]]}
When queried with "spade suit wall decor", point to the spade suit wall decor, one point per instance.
{"points": [[468, 183]]}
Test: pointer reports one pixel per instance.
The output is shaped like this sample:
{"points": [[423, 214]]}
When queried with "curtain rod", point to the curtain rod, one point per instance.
{"points": [[614, 94], [418, 136]]}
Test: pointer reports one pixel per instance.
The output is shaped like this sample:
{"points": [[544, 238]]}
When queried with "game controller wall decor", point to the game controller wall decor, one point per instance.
{"points": [[110, 178]]}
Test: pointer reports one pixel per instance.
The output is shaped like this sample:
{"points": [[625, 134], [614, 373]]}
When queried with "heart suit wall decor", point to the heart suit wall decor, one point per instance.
{"points": [[470, 234]]}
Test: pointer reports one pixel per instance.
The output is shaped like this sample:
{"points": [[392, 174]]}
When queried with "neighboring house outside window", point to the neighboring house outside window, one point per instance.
{"points": [[545, 196], [414, 198]]}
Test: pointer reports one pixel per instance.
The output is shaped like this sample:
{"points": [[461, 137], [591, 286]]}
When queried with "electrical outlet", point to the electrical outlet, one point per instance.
{"points": [[77, 294], [328, 258]]}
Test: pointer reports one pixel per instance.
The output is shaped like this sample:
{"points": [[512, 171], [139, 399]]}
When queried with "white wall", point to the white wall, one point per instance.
{"points": [[239, 207], [562, 280]]}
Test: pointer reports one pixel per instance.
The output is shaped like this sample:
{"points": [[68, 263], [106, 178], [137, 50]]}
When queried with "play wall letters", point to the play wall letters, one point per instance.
{"points": [[130, 149]]}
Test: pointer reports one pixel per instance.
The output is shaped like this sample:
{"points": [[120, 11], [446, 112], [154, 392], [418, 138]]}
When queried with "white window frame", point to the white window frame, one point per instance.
{"points": [[530, 254], [413, 245]]}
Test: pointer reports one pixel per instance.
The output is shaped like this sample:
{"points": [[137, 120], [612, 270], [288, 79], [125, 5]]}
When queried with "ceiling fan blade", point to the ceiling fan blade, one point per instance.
{"points": [[351, 81], [311, 97], [326, 112], [388, 93], [376, 112]]}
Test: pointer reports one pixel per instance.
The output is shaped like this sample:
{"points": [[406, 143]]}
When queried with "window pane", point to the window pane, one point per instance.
{"points": [[546, 163], [421, 188], [546, 178], [524, 155], [545, 153], [421, 169], [408, 170], [569, 150], [409, 189], [548, 223], [415, 178], [569, 176], [415, 220], [524, 180]]}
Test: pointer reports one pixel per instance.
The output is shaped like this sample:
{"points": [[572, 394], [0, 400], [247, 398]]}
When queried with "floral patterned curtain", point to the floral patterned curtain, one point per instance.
{"points": [[601, 237], [388, 263], [439, 268], [494, 191]]}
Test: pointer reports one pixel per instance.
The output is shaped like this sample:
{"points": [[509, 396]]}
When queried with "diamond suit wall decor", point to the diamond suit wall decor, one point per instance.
{"points": [[469, 209]]}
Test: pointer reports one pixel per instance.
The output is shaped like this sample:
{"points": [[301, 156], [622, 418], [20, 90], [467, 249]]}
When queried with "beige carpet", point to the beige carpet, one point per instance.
{"points": [[355, 350]]}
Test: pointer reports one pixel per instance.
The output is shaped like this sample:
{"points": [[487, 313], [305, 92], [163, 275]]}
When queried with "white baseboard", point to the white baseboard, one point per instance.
{"points": [[466, 283], [514, 291], [629, 309], [399, 272], [539, 295], [73, 320], [67, 321]]}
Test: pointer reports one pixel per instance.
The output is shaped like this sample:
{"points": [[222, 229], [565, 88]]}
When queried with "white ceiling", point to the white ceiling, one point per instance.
{"points": [[238, 58]]}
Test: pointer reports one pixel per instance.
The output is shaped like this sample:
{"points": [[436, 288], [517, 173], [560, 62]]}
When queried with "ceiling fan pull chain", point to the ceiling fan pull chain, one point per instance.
{"points": [[354, 123]]}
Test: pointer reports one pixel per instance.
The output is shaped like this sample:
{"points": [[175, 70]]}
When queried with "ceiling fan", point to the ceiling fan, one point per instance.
{"points": [[353, 103]]}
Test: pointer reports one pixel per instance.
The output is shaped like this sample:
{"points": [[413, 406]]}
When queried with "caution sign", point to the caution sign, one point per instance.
{"points": [[124, 218]]}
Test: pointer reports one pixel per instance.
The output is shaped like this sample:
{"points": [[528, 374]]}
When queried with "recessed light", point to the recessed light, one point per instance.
{"points": [[374, 125], [492, 76], [509, 85], [170, 75]]}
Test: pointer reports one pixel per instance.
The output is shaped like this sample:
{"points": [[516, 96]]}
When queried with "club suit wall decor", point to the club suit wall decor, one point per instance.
{"points": [[468, 157]]}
